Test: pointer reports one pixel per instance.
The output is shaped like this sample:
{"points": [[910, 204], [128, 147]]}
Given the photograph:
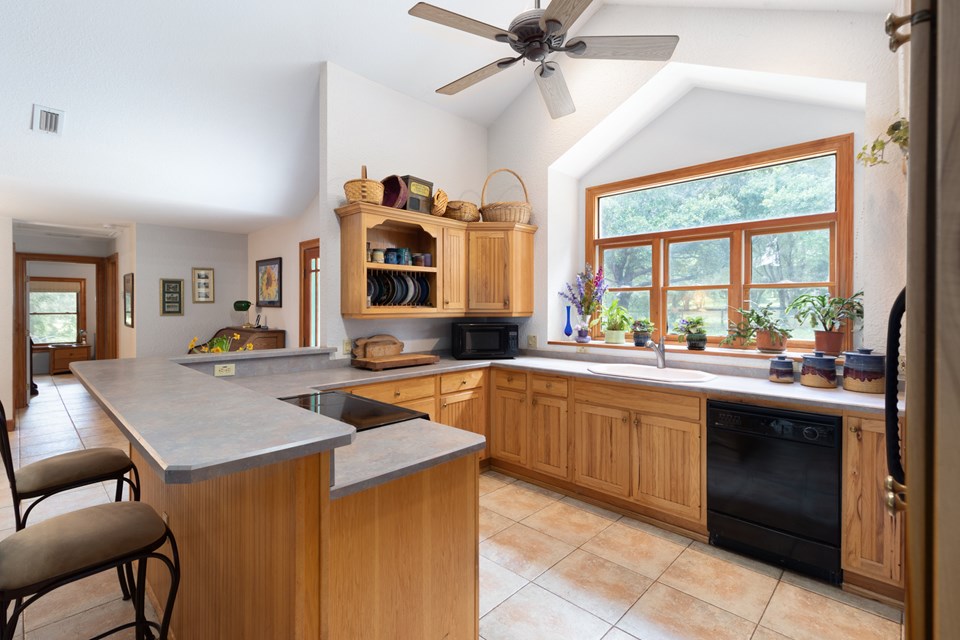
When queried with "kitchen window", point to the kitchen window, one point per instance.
{"points": [[309, 292], [57, 309], [738, 233]]}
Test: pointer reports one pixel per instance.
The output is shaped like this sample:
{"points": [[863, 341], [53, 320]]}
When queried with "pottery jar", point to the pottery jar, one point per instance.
{"points": [[864, 371], [377, 256], [781, 370], [819, 370]]}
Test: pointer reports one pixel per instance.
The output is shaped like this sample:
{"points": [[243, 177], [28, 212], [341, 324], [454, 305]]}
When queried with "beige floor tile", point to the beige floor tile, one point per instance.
{"points": [[667, 614], [566, 522], [30, 439], [836, 593], [69, 501], [736, 558], [491, 523], [529, 486], [7, 519], [534, 613], [117, 441], [637, 550], [489, 483], [766, 634], [617, 634], [803, 615], [74, 598], [721, 583], [592, 508], [654, 530], [91, 622], [515, 502], [47, 449], [496, 585], [524, 551], [599, 586], [502, 477]]}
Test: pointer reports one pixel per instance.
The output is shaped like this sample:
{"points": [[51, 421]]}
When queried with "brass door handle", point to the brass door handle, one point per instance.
{"points": [[894, 503], [893, 486]]}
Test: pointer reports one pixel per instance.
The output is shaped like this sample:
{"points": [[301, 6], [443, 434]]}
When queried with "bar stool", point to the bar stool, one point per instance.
{"points": [[82, 543]]}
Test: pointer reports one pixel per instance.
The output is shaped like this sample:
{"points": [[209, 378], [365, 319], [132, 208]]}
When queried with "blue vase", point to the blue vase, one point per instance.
{"points": [[568, 330]]}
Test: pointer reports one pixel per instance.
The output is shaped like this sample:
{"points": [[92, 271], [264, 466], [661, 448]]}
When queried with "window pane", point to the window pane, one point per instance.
{"points": [[53, 328], [711, 304], [796, 188], [53, 302], [798, 256], [779, 299], [636, 302], [629, 266], [700, 262]]}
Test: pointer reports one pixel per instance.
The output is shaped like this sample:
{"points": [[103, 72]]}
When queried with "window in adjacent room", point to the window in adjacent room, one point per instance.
{"points": [[709, 239], [309, 289], [57, 309]]}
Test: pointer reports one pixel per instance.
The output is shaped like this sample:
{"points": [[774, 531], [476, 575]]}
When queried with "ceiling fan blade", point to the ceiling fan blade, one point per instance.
{"points": [[480, 74], [623, 47], [457, 21], [561, 14], [554, 90]]}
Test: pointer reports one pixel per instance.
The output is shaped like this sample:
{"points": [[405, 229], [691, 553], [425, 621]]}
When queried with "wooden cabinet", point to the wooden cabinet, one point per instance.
{"points": [[260, 338], [509, 423], [601, 445], [500, 265], [62, 355], [419, 394], [872, 538], [665, 465], [463, 403], [548, 435], [454, 268]]}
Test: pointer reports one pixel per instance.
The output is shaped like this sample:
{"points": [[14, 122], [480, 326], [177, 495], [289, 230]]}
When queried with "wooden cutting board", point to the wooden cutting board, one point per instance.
{"points": [[379, 363]]}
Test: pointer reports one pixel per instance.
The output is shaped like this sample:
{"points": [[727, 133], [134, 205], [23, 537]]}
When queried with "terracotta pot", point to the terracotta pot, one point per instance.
{"points": [[768, 342], [830, 342]]}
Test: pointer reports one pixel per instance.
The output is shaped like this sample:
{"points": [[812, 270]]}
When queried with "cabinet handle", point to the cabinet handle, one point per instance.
{"points": [[444, 405], [506, 303], [549, 385], [534, 402], [636, 422], [623, 419], [396, 393], [509, 378], [446, 302], [463, 382]]}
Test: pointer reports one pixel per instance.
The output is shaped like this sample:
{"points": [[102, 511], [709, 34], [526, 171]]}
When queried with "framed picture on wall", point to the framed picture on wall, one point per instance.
{"points": [[269, 283], [171, 297], [128, 299], [202, 284]]}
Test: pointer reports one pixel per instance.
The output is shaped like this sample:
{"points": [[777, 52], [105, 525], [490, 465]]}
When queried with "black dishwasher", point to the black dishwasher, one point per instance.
{"points": [[773, 486]]}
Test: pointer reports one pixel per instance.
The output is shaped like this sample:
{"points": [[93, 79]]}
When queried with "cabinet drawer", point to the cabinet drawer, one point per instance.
{"points": [[510, 380], [461, 381], [639, 399], [549, 385], [399, 391]]}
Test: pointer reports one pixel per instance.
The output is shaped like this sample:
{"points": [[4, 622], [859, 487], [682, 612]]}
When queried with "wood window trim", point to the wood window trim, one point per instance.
{"points": [[81, 303], [841, 250], [307, 247]]}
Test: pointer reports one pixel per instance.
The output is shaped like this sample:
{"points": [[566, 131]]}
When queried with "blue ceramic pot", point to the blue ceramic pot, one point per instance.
{"points": [[864, 371]]}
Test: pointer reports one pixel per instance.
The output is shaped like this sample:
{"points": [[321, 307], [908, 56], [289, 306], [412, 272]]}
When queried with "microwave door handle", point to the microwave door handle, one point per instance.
{"points": [[892, 419]]}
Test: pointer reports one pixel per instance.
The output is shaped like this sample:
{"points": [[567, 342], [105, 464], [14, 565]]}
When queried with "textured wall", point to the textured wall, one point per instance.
{"points": [[6, 315]]}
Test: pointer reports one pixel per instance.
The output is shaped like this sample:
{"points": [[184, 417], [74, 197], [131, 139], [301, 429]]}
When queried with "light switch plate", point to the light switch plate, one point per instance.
{"points": [[531, 342], [347, 347], [220, 370], [581, 349]]}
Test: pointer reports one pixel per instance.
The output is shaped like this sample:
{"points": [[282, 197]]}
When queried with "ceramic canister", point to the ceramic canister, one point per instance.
{"points": [[376, 255], [781, 369], [819, 370], [864, 371]]}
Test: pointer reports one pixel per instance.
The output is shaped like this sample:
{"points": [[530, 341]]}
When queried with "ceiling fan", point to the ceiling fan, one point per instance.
{"points": [[537, 33]]}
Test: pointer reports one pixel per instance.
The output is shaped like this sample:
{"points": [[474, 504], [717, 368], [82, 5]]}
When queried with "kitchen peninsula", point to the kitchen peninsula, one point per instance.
{"points": [[268, 548]]}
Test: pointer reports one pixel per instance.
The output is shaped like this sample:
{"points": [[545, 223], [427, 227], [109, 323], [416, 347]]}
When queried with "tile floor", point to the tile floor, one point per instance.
{"points": [[550, 566]]}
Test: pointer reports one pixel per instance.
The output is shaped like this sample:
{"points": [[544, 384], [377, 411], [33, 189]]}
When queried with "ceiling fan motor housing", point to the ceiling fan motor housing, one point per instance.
{"points": [[532, 43]]}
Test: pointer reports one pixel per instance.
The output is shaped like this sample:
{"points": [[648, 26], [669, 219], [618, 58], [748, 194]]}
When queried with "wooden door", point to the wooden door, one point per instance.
{"points": [[665, 465], [871, 537], [548, 435], [489, 270], [466, 410], [454, 270], [601, 441], [509, 426]]}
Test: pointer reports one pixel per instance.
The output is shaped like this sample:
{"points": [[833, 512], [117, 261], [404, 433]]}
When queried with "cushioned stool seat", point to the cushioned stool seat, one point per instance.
{"points": [[69, 468]]}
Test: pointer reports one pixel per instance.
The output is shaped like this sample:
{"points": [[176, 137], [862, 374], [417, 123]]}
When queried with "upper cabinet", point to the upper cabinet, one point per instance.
{"points": [[473, 269]]}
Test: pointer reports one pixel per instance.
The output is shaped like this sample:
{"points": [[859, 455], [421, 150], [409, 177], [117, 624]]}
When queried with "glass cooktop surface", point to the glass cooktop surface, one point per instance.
{"points": [[361, 413]]}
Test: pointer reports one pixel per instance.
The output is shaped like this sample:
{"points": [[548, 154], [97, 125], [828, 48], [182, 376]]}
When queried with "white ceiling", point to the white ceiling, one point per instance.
{"points": [[205, 114]]}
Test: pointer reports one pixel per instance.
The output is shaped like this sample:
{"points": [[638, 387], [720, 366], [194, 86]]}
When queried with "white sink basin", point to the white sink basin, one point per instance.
{"points": [[645, 372]]}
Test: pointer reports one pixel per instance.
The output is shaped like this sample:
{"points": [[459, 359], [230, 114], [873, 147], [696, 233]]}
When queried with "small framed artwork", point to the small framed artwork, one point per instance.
{"points": [[269, 284], [171, 297], [128, 299], [202, 284]]}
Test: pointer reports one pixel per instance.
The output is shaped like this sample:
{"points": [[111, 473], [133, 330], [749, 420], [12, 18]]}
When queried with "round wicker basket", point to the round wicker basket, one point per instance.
{"points": [[462, 210], [440, 201], [511, 211], [363, 190]]}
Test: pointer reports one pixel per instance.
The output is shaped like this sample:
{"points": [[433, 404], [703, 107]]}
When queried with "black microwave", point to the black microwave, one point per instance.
{"points": [[483, 340]]}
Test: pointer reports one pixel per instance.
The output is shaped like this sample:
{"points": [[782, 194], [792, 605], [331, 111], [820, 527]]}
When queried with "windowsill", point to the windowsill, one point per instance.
{"points": [[796, 356]]}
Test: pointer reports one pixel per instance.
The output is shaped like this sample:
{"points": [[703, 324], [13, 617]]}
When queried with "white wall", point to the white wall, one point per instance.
{"points": [[125, 246], [6, 317], [87, 272], [843, 46], [34, 243], [169, 252]]}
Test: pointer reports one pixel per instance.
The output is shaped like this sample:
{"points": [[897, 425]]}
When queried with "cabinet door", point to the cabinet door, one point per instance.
{"points": [[508, 427], [426, 405], [601, 441], [400, 391], [489, 275], [871, 538], [454, 269], [548, 435], [665, 465], [466, 410]]}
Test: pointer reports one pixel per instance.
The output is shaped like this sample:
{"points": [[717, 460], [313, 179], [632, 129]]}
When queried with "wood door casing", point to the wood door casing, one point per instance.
{"points": [[454, 270], [665, 465], [489, 263], [548, 435], [601, 440], [466, 410], [509, 426]]}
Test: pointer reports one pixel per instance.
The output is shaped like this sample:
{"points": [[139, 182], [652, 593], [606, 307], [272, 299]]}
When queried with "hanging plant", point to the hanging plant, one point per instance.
{"points": [[897, 133]]}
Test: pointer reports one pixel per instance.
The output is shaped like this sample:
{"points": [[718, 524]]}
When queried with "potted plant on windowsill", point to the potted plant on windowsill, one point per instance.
{"points": [[829, 314], [762, 326], [642, 328], [616, 321], [692, 331]]}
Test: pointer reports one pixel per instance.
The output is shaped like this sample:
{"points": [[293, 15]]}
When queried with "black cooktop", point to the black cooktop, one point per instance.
{"points": [[361, 413]]}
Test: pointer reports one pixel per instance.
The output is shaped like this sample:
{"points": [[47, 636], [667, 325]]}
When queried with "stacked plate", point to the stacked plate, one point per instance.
{"points": [[392, 288]]}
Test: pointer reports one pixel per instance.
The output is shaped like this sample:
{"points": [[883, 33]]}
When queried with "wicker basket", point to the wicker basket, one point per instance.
{"points": [[505, 211], [462, 210], [363, 190], [440, 201]]}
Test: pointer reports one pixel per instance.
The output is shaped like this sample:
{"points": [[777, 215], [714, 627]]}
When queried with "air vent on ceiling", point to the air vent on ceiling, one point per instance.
{"points": [[47, 120]]}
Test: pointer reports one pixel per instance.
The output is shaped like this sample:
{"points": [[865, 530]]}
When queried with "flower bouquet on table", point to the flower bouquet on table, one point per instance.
{"points": [[586, 296], [220, 344]]}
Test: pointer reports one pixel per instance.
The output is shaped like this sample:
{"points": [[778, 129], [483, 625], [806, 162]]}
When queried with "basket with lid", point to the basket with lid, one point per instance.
{"points": [[507, 211], [864, 371]]}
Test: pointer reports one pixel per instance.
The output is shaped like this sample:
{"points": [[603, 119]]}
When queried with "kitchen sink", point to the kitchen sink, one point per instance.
{"points": [[646, 372]]}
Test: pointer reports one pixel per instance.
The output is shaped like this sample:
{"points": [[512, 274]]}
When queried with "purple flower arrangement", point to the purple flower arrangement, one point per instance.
{"points": [[587, 296]]}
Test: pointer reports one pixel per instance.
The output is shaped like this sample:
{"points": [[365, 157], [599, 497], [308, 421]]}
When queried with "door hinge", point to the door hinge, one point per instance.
{"points": [[894, 22]]}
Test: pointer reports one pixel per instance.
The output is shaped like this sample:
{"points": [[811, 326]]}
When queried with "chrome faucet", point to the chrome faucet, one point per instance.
{"points": [[659, 350]]}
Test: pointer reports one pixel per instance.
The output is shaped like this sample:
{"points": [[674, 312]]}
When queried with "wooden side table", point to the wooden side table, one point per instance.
{"points": [[61, 355]]}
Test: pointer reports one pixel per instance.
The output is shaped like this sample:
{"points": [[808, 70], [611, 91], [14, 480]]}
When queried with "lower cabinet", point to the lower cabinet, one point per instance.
{"points": [[601, 442], [665, 465], [466, 410], [417, 394], [509, 426], [548, 435]]}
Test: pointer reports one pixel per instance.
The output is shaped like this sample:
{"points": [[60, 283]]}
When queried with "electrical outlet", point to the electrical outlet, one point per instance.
{"points": [[347, 347], [220, 370], [581, 348], [531, 342]]}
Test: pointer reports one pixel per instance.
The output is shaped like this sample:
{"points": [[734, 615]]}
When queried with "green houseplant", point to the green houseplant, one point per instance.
{"points": [[642, 328], [616, 321], [897, 133], [762, 326], [691, 330], [827, 314]]}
